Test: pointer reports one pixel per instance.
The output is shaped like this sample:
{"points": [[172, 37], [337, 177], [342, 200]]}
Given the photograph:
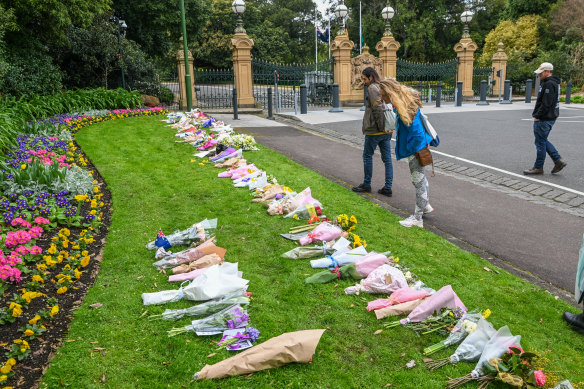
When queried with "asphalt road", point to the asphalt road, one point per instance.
{"points": [[504, 139]]}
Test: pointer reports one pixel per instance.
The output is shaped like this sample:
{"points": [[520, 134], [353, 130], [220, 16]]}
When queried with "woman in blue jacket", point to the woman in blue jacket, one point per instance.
{"points": [[411, 138]]}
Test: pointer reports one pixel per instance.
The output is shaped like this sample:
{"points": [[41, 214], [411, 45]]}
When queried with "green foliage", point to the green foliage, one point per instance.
{"points": [[519, 39], [31, 70], [156, 25], [515, 9], [166, 95], [37, 177], [47, 21]]}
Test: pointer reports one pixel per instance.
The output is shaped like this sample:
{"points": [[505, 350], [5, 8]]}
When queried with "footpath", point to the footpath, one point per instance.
{"points": [[531, 229]]}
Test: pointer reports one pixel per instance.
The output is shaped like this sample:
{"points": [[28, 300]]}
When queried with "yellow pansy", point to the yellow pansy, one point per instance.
{"points": [[85, 261], [5, 369], [34, 320], [52, 249], [23, 166], [77, 273], [54, 310], [62, 289], [28, 332]]}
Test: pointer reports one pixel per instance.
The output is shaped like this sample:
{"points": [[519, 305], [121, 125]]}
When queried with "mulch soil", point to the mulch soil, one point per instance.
{"points": [[29, 371]]}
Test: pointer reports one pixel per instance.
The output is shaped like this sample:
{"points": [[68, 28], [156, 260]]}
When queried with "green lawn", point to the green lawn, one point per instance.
{"points": [[154, 185]]}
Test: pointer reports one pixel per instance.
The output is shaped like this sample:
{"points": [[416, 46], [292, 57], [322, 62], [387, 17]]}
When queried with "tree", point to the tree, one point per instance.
{"points": [[156, 24], [519, 38], [518, 8]]}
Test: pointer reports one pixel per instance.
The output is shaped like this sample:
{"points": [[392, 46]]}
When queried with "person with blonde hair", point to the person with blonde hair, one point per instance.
{"points": [[411, 138]]}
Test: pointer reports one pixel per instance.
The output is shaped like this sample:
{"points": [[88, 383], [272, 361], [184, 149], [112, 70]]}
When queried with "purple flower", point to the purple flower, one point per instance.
{"points": [[230, 324], [253, 333]]}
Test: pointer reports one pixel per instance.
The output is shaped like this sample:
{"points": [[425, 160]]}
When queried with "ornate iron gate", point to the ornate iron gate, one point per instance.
{"points": [[479, 74], [285, 81], [425, 78], [214, 88]]}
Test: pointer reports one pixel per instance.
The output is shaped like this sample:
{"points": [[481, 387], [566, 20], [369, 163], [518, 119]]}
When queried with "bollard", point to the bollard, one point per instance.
{"points": [[235, 107], [364, 98], [336, 103], [528, 86], [303, 99], [438, 93], [568, 92], [459, 94], [483, 100], [270, 104], [506, 93]]}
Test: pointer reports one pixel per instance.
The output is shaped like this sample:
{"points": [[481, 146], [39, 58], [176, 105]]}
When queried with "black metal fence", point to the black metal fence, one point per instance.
{"points": [[285, 81], [479, 74], [425, 77], [214, 88]]}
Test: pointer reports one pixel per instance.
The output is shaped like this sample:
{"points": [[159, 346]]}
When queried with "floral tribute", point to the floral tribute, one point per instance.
{"points": [[51, 214]]}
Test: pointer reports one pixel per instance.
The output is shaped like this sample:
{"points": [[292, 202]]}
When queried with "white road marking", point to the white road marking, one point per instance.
{"points": [[523, 177]]}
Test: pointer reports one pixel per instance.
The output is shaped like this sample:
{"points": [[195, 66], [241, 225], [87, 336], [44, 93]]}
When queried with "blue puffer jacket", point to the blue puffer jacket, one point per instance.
{"points": [[410, 139]]}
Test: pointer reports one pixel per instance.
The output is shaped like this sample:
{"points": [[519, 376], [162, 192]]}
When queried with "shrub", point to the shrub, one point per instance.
{"points": [[166, 95]]}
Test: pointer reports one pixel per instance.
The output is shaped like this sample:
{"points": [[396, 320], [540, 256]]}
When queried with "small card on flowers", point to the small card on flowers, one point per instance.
{"points": [[242, 344]]}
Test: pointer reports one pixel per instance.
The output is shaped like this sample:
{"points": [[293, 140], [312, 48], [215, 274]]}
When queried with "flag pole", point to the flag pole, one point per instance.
{"points": [[360, 30], [329, 37], [315, 42]]}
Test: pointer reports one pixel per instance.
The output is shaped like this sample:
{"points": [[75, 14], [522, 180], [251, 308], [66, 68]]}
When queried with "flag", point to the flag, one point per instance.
{"points": [[323, 36], [347, 32]]}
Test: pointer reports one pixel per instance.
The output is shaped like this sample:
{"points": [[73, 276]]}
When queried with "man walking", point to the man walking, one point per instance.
{"points": [[547, 109], [375, 134]]}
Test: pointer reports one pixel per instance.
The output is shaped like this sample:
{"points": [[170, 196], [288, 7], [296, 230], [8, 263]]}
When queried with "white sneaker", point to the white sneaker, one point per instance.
{"points": [[412, 221], [428, 208]]}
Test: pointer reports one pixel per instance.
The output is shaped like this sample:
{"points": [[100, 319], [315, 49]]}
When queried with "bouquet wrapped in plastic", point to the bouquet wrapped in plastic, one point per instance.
{"points": [[324, 232], [496, 347], [463, 327], [443, 298], [205, 261], [302, 198], [398, 309], [191, 275], [385, 279], [238, 297], [470, 349], [327, 248], [200, 231], [238, 339], [231, 317], [190, 255], [339, 258], [399, 296], [216, 282]]}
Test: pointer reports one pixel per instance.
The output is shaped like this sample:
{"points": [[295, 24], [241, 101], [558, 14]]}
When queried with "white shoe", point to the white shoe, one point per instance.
{"points": [[428, 209], [412, 221]]}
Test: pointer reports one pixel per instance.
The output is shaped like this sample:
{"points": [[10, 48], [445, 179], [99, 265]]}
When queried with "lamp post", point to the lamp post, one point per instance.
{"points": [[121, 27], [466, 17], [387, 14], [238, 7], [188, 83], [341, 13]]}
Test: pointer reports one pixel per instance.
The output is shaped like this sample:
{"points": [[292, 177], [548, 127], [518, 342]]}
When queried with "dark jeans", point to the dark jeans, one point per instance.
{"points": [[371, 143], [541, 130]]}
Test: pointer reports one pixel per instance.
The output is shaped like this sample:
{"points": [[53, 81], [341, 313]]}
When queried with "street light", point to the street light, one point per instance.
{"points": [[188, 84], [238, 7], [341, 13], [466, 17], [387, 14], [121, 28]]}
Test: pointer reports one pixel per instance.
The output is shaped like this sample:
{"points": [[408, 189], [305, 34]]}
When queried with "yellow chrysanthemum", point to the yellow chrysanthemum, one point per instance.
{"points": [[486, 313]]}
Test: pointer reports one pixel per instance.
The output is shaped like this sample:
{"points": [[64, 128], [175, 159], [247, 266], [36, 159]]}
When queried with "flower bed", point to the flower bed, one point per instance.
{"points": [[54, 214]]}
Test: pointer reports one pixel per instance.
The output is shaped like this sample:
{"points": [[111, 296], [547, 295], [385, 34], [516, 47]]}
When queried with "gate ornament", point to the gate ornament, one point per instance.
{"points": [[361, 62]]}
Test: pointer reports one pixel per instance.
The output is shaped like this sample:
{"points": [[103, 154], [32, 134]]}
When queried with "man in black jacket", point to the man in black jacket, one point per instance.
{"points": [[547, 109]]}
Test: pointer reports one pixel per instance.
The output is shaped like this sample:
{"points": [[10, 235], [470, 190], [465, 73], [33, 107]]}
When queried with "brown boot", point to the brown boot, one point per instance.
{"points": [[560, 164], [533, 171]]}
